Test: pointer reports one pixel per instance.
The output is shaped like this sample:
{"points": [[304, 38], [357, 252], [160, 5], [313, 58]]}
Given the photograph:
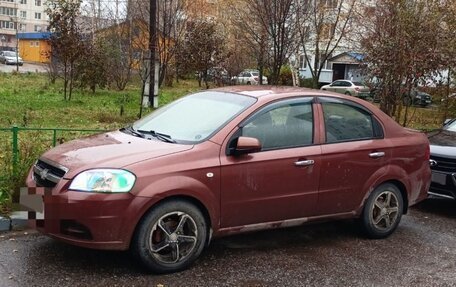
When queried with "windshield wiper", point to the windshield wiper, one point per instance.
{"points": [[160, 136], [132, 131]]}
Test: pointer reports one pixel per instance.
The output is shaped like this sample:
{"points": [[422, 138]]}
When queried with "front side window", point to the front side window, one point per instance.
{"points": [[195, 118], [282, 125], [347, 122]]}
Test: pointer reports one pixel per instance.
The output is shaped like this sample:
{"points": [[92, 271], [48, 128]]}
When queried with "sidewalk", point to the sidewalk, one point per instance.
{"points": [[17, 221]]}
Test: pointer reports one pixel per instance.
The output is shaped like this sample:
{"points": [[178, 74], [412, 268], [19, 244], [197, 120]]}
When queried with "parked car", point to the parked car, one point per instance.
{"points": [[443, 160], [227, 161], [249, 77], [416, 97], [349, 88], [10, 58]]}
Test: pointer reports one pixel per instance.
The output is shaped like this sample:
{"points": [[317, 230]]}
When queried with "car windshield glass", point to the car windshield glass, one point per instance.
{"points": [[255, 74], [451, 127], [196, 117], [357, 84], [9, 54]]}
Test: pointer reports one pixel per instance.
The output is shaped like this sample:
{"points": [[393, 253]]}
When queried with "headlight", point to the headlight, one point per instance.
{"points": [[104, 180]]}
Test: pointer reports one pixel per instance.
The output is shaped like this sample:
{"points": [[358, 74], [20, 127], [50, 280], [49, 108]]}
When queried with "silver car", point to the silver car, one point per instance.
{"points": [[249, 77], [10, 58], [349, 88]]}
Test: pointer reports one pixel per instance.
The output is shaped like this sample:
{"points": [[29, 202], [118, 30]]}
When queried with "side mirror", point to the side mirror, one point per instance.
{"points": [[247, 145]]}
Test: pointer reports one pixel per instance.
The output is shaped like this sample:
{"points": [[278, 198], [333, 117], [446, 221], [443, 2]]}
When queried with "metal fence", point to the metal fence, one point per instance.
{"points": [[15, 130]]}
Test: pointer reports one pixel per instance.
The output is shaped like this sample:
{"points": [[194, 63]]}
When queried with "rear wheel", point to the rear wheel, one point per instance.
{"points": [[347, 93], [382, 211], [170, 237]]}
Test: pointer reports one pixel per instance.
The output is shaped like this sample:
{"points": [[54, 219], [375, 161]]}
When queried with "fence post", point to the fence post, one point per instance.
{"points": [[54, 138], [15, 131]]}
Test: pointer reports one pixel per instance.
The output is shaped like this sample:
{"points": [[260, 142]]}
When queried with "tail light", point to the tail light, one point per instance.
{"points": [[357, 89], [256, 79]]}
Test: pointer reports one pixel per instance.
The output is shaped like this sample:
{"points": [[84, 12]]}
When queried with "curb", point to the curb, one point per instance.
{"points": [[17, 221]]}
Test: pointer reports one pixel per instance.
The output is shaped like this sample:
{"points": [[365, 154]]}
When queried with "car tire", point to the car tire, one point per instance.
{"points": [[382, 211], [248, 83], [170, 237], [347, 93]]}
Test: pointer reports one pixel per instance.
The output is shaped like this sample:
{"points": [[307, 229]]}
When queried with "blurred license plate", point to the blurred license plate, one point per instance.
{"points": [[439, 178]]}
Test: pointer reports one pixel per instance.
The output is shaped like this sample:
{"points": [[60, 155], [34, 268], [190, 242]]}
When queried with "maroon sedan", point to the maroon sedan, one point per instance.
{"points": [[226, 161]]}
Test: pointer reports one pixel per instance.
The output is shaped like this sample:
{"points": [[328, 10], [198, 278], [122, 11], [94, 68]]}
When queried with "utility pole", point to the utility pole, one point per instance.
{"points": [[153, 70]]}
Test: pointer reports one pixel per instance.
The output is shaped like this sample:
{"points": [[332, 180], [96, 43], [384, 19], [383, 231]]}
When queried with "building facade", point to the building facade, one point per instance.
{"points": [[20, 16]]}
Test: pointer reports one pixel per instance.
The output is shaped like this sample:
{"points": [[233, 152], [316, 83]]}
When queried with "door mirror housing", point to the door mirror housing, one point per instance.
{"points": [[247, 145]]}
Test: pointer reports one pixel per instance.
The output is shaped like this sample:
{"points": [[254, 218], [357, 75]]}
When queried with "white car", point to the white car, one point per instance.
{"points": [[249, 78], [349, 88], [10, 58]]}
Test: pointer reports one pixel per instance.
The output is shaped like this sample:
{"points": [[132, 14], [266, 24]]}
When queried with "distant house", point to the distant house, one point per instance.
{"points": [[34, 46], [347, 66]]}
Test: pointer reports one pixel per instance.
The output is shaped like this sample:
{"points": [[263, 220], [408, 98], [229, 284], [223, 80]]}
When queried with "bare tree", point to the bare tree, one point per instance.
{"points": [[322, 26], [403, 49], [202, 49], [66, 39], [268, 29]]}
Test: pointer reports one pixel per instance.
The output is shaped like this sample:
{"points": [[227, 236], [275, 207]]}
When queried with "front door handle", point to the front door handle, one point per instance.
{"points": [[304, 162], [377, 154]]}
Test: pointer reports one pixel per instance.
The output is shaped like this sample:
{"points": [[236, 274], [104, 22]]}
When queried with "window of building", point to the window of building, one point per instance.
{"points": [[37, 15], [37, 2], [37, 28], [8, 11], [23, 14], [6, 25], [302, 62], [23, 1], [22, 27]]}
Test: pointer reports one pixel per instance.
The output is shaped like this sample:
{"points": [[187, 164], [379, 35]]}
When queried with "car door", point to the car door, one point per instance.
{"points": [[335, 86], [279, 182], [354, 150]]}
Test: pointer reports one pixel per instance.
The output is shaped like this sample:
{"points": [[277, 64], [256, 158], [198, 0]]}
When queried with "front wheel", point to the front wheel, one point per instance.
{"points": [[170, 237], [382, 211]]}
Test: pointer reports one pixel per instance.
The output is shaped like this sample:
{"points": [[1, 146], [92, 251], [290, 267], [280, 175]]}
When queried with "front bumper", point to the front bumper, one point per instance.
{"points": [[92, 220], [443, 184]]}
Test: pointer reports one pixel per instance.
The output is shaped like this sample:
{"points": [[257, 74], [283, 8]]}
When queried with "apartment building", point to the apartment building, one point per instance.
{"points": [[20, 16]]}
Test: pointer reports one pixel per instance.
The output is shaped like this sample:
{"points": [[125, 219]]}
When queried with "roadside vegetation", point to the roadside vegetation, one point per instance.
{"points": [[29, 100]]}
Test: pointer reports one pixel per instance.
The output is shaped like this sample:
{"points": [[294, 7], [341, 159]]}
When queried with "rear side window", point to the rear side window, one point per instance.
{"points": [[345, 122]]}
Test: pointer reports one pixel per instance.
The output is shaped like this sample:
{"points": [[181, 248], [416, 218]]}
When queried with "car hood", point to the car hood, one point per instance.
{"points": [[443, 143], [108, 150]]}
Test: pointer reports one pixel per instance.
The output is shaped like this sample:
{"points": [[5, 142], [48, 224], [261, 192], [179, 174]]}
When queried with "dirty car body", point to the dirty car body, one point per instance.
{"points": [[226, 161]]}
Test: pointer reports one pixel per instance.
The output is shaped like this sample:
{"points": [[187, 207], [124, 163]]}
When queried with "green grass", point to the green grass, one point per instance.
{"points": [[29, 100]]}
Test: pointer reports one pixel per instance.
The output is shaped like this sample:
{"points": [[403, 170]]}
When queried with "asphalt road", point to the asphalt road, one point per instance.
{"points": [[422, 252], [27, 67]]}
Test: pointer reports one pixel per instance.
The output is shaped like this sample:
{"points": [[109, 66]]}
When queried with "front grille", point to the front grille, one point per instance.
{"points": [[444, 164], [46, 174]]}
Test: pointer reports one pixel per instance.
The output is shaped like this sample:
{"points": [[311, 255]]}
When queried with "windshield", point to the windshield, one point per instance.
{"points": [[255, 74], [10, 54], [196, 117], [452, 126]]}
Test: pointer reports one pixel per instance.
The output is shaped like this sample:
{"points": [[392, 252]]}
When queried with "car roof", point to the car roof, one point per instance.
{"points": [[265, 90]]}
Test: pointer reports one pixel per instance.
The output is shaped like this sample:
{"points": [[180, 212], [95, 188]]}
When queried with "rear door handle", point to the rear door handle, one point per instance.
{"points": [[304, 162], [377, 154]]}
